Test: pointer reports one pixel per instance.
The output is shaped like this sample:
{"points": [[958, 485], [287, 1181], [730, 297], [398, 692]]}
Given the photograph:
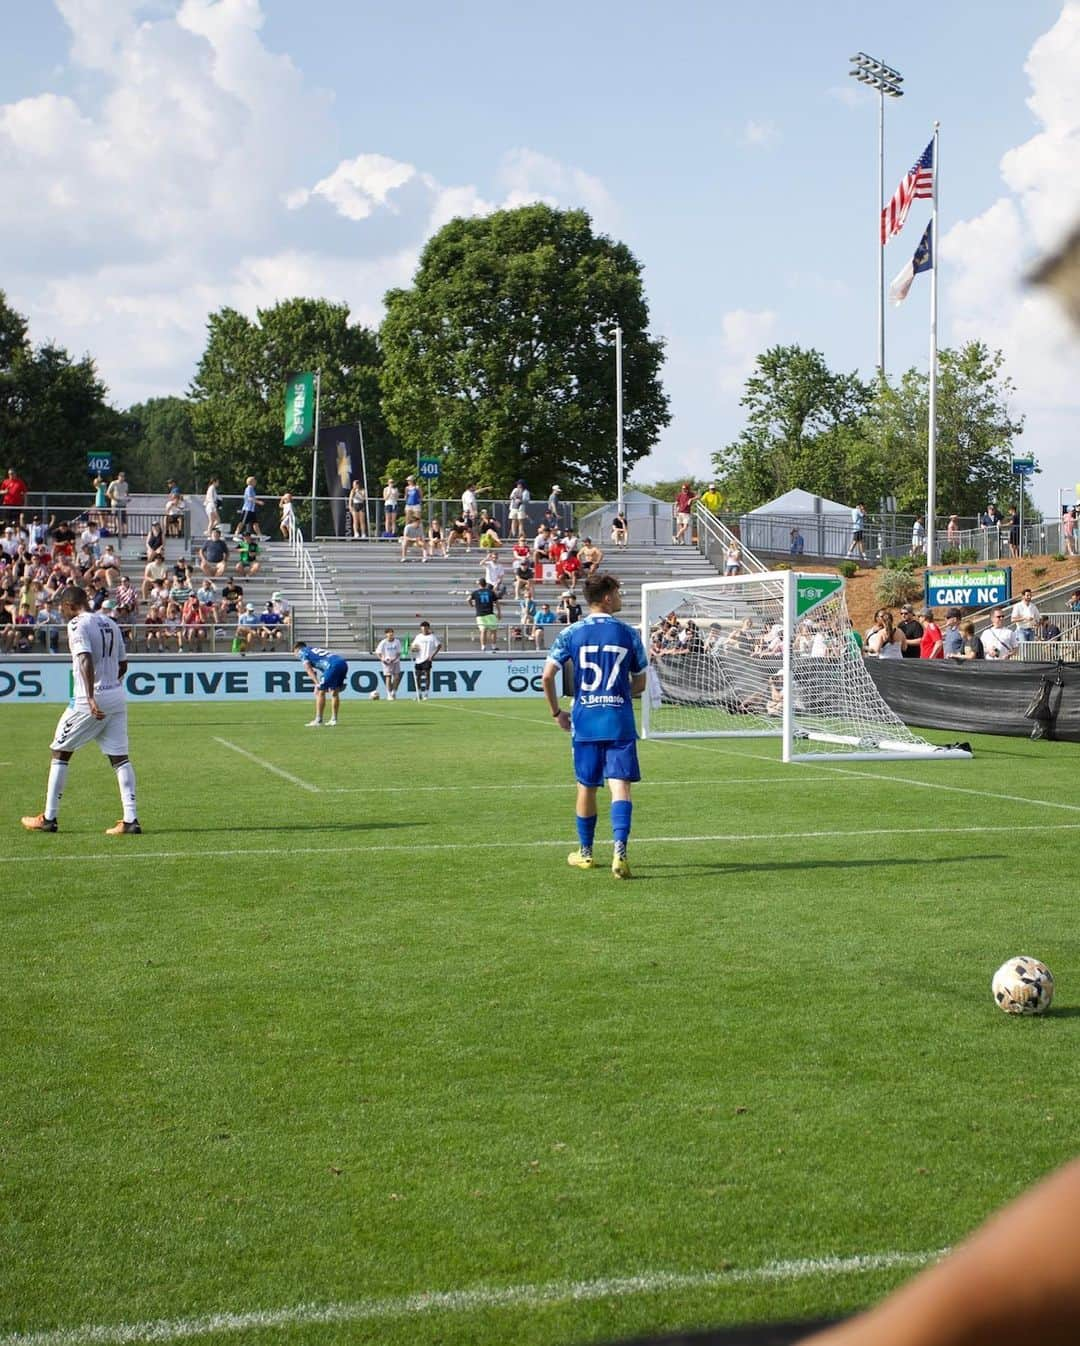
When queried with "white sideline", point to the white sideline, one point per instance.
{"points": [[125, 855], [465, 1301]]}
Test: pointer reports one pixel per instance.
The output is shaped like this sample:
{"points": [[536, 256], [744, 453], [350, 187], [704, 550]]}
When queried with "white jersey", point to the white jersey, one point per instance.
{"points": [[388, 651], [424, 647], [97, 635]]}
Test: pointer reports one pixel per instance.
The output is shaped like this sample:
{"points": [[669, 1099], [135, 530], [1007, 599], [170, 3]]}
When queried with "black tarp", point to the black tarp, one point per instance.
{"points": [[981, 696]]}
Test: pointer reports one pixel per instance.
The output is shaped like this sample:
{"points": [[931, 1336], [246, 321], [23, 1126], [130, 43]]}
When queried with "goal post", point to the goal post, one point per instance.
{"points": [[767, 655]]}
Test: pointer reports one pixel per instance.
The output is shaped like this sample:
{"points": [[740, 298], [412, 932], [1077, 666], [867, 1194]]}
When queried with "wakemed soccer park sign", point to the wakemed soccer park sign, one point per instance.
{"points": [[968, 588]]}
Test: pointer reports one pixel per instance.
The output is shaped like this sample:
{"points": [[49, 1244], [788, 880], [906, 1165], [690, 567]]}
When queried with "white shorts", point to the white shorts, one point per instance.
{"points": [[77, 726]]}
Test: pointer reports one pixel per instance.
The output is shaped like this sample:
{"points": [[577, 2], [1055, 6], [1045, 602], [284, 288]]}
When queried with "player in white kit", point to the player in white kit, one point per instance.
{"points": [[98, 710]]}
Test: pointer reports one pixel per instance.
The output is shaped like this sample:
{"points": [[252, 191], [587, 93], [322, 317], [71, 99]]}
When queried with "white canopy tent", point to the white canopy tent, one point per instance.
{"points": [[825, 524]]}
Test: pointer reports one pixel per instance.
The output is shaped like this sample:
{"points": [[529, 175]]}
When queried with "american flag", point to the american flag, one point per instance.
{"points": [[918, 183]]}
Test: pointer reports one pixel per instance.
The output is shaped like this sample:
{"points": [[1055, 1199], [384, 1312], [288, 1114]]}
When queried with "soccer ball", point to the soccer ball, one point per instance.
{"points": [[374, 696], [1023, 986]]}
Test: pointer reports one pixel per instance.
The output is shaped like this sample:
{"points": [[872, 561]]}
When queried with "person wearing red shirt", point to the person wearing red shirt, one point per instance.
{"points": [[13, 490], [683, 502], [930, 645]]}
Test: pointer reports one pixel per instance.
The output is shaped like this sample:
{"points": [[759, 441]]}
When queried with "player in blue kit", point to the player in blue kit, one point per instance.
{"points": [[328, 672], [609, 664]]}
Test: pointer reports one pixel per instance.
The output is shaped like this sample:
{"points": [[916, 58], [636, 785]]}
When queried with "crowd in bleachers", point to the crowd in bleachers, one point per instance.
{"points": [[158, 606]]}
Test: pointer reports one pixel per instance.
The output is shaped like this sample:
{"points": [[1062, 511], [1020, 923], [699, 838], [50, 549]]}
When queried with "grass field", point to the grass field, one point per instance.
{"points": [[341, 1049]]}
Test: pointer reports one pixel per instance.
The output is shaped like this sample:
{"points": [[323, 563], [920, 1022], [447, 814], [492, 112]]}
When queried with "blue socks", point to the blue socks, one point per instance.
{"points": [[621, 813], [586, 830]]}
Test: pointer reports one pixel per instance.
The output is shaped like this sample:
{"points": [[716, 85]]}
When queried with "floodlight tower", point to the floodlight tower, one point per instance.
{"points": [[877, 75]]}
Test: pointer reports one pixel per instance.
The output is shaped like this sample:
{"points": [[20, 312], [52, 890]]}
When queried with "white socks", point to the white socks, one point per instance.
{"points": [[125, 778], [55, 789]]}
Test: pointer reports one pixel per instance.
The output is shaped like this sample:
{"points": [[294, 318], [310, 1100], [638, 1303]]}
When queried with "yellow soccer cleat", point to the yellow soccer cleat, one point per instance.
{"points": [[580, 859], [619, 867]]}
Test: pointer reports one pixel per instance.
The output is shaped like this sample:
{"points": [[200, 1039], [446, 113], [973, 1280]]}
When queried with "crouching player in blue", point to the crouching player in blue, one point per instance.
{"points": [[609, 664], [328, 672]]}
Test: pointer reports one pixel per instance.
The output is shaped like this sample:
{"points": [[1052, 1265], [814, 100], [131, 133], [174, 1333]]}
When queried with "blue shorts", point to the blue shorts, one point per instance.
{"points": [[333, 680], [597, 762]]}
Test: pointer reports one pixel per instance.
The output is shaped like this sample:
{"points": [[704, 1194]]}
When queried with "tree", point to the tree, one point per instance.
{"points": [[161, 443], [53, 410], [502, 355], [802, 430], [238, 392]]}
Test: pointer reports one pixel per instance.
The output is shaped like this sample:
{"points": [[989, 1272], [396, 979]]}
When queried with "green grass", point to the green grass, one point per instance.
{"points": [[346, 1045]]}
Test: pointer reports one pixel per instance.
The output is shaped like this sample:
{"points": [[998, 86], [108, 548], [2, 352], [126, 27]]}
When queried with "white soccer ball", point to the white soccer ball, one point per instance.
{"points": [[1023, 986], [374, 696]]}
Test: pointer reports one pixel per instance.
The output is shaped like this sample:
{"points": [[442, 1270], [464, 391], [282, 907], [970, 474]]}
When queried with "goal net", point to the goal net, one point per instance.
{"points": [[767, 655]]}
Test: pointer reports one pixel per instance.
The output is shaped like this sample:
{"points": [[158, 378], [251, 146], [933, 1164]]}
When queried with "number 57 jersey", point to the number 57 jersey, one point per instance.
{"points": [[605, 653]]}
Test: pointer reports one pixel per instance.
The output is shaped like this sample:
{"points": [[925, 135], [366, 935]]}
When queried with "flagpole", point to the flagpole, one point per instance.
{"points": [[315, 452], [931, 438], [881, 241]]}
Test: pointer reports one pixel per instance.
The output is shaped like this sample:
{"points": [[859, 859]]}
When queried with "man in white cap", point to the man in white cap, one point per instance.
{"points": [[553, 500]]}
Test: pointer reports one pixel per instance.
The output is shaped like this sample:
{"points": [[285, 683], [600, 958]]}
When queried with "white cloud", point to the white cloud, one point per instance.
{"points": [[760, 133], [743, 336], [988, 256], [358, 186]]}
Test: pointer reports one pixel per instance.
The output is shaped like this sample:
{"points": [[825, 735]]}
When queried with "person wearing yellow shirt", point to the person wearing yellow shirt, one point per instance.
{"points": [[712, 499]]}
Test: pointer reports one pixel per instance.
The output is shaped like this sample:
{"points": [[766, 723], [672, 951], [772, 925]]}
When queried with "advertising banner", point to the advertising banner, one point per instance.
{"points": [[29, 681], [299, 409], [340, 446], [968, 587]]}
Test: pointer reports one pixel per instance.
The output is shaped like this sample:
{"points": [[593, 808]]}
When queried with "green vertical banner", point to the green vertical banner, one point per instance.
{"points": [[299, 409]]}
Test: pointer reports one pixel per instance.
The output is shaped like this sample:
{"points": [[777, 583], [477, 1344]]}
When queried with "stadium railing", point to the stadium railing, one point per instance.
{"points": [[217, 638]]}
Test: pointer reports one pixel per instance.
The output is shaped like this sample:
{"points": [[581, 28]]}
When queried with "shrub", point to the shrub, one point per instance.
{"points": [[781, 565], [905, 564], [1058, 556], [968, 555], [1038, 571], [897, 586], [950, 556], [848, 569]]}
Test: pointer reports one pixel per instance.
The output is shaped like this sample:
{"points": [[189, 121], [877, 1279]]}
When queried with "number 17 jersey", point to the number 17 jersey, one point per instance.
{"points": [[605, 653]]}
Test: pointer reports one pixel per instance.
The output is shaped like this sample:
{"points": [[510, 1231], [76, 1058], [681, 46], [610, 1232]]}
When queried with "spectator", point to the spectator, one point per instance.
{"points": [[206, 593], [569, 610], [214, 554], [620, 529], [282, 604], [470, 505], [545, 617], [90, 538], [171, 631], [952, 531], [117, 493], [248, 554], [485, 605], [1068, 531], [952, 638], [460, 531], [972, 647], [249, 511], [108, 563], [175, 505], [1014, 533], [232, 599], [858, 531], [733, 560], [991, 518], [127, 600], [913, 630], [155, 539], [154, 574], [711, 498], [63, 541], [495, 574], [414, 500], [684, 502], [518, 509], [212, 505], [568, 568], [390, 507], [888, 641], [50, 621], [194, 630], [249, 629], [37, 531], [358, 509], [1025, 616], [918, 536], [590, 556], [153, 622], [1045, 629], [488, 531], [287, 522], [798, 543], [101, 501], [553, 505], [436, 541], [12, 493], [1073, 604], [998, 641], [542, 546], [523, 570], [273, 625], [930, 647], [412, 535]]}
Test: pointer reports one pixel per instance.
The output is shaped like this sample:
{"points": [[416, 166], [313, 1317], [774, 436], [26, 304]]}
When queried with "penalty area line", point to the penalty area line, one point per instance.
{"points": [[469, 1301], [126, 856], [267, 766]]}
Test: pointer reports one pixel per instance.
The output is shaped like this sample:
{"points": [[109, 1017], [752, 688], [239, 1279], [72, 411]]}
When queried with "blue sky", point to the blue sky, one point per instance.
{"points": [[171, 157]]}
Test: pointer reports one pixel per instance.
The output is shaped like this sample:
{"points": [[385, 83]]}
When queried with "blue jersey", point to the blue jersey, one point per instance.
{"points": [[319, 659], [605, 653]]}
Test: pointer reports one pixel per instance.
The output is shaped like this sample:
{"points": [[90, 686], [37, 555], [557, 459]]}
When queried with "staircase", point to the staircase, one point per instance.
{"points": [[337, 630]]}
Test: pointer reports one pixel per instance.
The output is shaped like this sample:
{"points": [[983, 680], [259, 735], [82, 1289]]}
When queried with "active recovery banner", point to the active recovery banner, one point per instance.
{"points": [[49, 680]]}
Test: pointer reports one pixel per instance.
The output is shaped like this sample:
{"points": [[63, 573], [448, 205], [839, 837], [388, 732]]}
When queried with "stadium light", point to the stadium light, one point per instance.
{"points": [[877, 75], [616, 332]]}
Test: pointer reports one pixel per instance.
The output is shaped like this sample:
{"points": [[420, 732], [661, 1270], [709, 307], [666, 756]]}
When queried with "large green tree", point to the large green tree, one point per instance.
{"points": [[839, 437], [53, 410], [238, 392], [501, 353], [161, 444]]}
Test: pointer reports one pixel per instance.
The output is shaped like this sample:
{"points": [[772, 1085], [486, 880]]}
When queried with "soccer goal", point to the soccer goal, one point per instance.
{"points": [[767, 656]]}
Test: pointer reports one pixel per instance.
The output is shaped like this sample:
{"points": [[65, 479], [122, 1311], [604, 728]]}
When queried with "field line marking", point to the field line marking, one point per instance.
{"points": [[267, 766], [126, 856], [467, 1301], [952, 789], [685, 783]]}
